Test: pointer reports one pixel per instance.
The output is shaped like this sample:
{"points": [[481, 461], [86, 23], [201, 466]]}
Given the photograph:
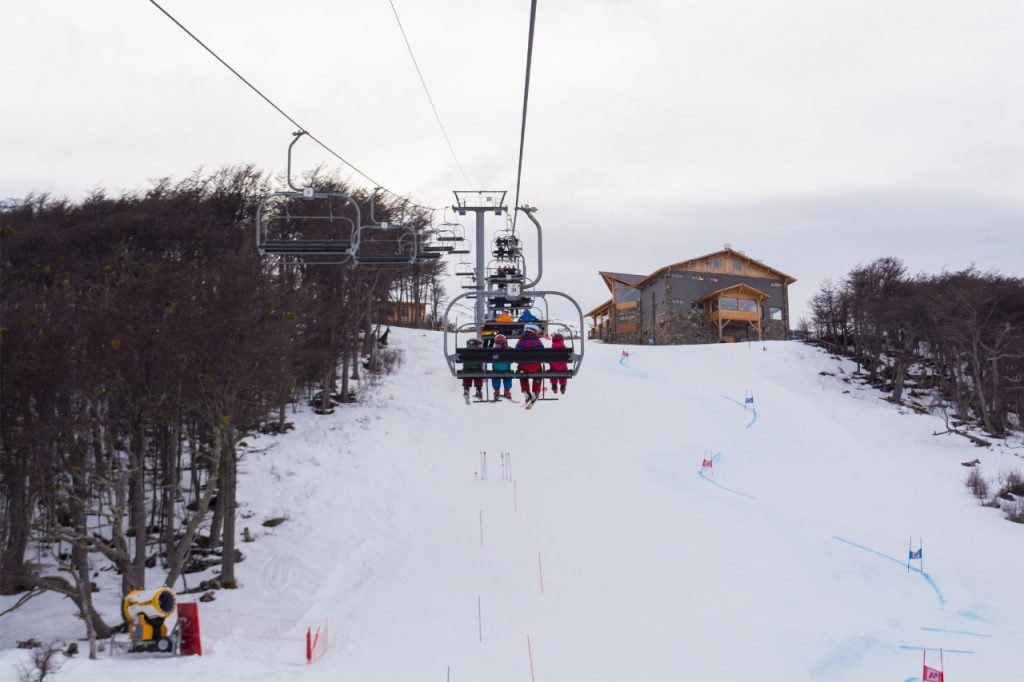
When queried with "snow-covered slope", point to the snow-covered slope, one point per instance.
{"points": [[598, 549]]}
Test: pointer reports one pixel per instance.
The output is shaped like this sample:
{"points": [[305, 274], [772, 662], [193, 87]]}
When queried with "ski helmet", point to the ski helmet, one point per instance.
{"points": [[473, 343], [557, 336], [500, 340], [532, 329]]}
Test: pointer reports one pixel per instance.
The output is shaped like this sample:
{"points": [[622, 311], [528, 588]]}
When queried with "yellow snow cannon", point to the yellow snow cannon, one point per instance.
{"points": [[152, 617]]}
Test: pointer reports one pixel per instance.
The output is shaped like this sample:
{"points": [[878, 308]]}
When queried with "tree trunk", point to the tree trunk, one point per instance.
{"points": [[981, 404], [184, 544], [345, 359], [171, 488], [226, 499], [94, 624], [217, 521], [135, 579], [17, 525]]}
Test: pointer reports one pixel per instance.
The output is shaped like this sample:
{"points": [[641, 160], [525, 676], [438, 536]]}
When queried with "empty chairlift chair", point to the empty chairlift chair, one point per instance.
{"points": [[308, 224]]}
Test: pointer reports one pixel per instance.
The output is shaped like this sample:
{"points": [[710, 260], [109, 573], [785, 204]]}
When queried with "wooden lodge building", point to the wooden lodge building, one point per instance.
{"points": [[723, 296]]}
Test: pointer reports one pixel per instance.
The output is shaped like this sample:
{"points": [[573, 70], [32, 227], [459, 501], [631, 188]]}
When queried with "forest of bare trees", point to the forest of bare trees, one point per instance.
{"points": [[141, 338], [959, 334]]}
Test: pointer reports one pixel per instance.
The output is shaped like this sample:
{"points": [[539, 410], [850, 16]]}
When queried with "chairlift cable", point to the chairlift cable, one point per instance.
{"points": [[430, 99], [526, 99], [279, 109]]}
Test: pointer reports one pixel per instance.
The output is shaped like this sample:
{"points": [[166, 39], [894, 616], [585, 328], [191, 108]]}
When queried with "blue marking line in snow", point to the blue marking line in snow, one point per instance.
{"points": [[928, 579], [752, 409], [911, 647], [957, 632], [974, 616], [715, 458], [629, 371], [912, 679]]}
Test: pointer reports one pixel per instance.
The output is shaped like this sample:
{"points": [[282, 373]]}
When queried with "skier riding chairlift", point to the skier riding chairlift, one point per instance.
{"points": [[558, 341], [501, 343], [478, 382], [529, 341]]}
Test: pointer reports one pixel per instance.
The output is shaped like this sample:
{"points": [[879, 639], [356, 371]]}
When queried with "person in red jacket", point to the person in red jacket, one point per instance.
{"points": [[558, 341], [528, 341]]}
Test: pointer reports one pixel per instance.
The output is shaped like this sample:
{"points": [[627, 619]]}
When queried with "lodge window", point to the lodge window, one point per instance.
{"points": [[777, 284], [716, 262], [728, 303], [775, 313], [626, 295], [737, 266], [748, 306]]}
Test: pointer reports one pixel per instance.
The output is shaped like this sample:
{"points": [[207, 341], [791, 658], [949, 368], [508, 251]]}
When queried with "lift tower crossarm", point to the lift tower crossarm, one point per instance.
{"points": [[479, 202]]}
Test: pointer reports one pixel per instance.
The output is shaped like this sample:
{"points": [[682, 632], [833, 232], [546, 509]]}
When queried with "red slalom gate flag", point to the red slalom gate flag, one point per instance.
{"points": [[931, 674], [707, 463]]}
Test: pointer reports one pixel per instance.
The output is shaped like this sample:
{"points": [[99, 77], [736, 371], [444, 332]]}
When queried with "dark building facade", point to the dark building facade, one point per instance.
{"points": [[722, 296]]}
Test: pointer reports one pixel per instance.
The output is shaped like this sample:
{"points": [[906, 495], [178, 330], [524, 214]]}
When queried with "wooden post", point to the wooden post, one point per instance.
{"points": [[540, 568], [529, 651]]}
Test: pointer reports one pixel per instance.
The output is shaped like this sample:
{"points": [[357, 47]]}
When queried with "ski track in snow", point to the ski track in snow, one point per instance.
{"points": [[966, 633], [702, 473], [927, 577], [914, 647], [753, 409]]}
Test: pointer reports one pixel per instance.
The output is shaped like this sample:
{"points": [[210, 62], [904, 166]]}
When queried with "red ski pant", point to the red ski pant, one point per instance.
{"points": [[525, 384], [466, 383], [559, 382]]}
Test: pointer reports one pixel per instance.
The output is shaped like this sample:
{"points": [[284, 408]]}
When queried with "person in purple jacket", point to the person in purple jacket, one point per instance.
{"points": [[558, 341]]}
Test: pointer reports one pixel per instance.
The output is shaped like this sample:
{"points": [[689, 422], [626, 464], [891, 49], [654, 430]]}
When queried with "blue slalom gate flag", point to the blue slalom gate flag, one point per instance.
{"points": [[917, 554]]}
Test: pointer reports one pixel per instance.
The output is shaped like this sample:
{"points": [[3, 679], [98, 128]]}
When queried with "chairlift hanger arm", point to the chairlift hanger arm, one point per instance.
{"points": [[296, 135], [529, 211]]}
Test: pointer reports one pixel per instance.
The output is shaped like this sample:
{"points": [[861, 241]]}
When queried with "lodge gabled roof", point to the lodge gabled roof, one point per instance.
{"points": [[681, 265], [741, 287], [628, 280]]}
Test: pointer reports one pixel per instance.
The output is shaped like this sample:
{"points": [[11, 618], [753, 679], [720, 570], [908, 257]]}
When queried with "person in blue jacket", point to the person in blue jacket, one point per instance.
{"points": [[501, 343]]}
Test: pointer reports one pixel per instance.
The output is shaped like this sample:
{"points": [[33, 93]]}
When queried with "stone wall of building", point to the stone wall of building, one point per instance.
{"points": [[774, 330], [677, 327]]}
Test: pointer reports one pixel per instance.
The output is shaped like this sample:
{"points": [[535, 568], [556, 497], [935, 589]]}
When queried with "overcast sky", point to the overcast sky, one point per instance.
{"points": [[812, 134]]}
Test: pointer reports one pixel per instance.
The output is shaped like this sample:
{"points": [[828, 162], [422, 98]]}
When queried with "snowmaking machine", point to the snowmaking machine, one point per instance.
{"points": [[152, 617]]}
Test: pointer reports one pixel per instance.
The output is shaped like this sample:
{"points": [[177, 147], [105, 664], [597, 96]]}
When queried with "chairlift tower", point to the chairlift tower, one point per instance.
{"points": [[480, 202]]}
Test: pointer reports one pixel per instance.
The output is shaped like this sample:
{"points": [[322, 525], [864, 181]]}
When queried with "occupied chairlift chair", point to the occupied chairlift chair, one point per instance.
{"points": [[306, 224], [570, 355]]}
